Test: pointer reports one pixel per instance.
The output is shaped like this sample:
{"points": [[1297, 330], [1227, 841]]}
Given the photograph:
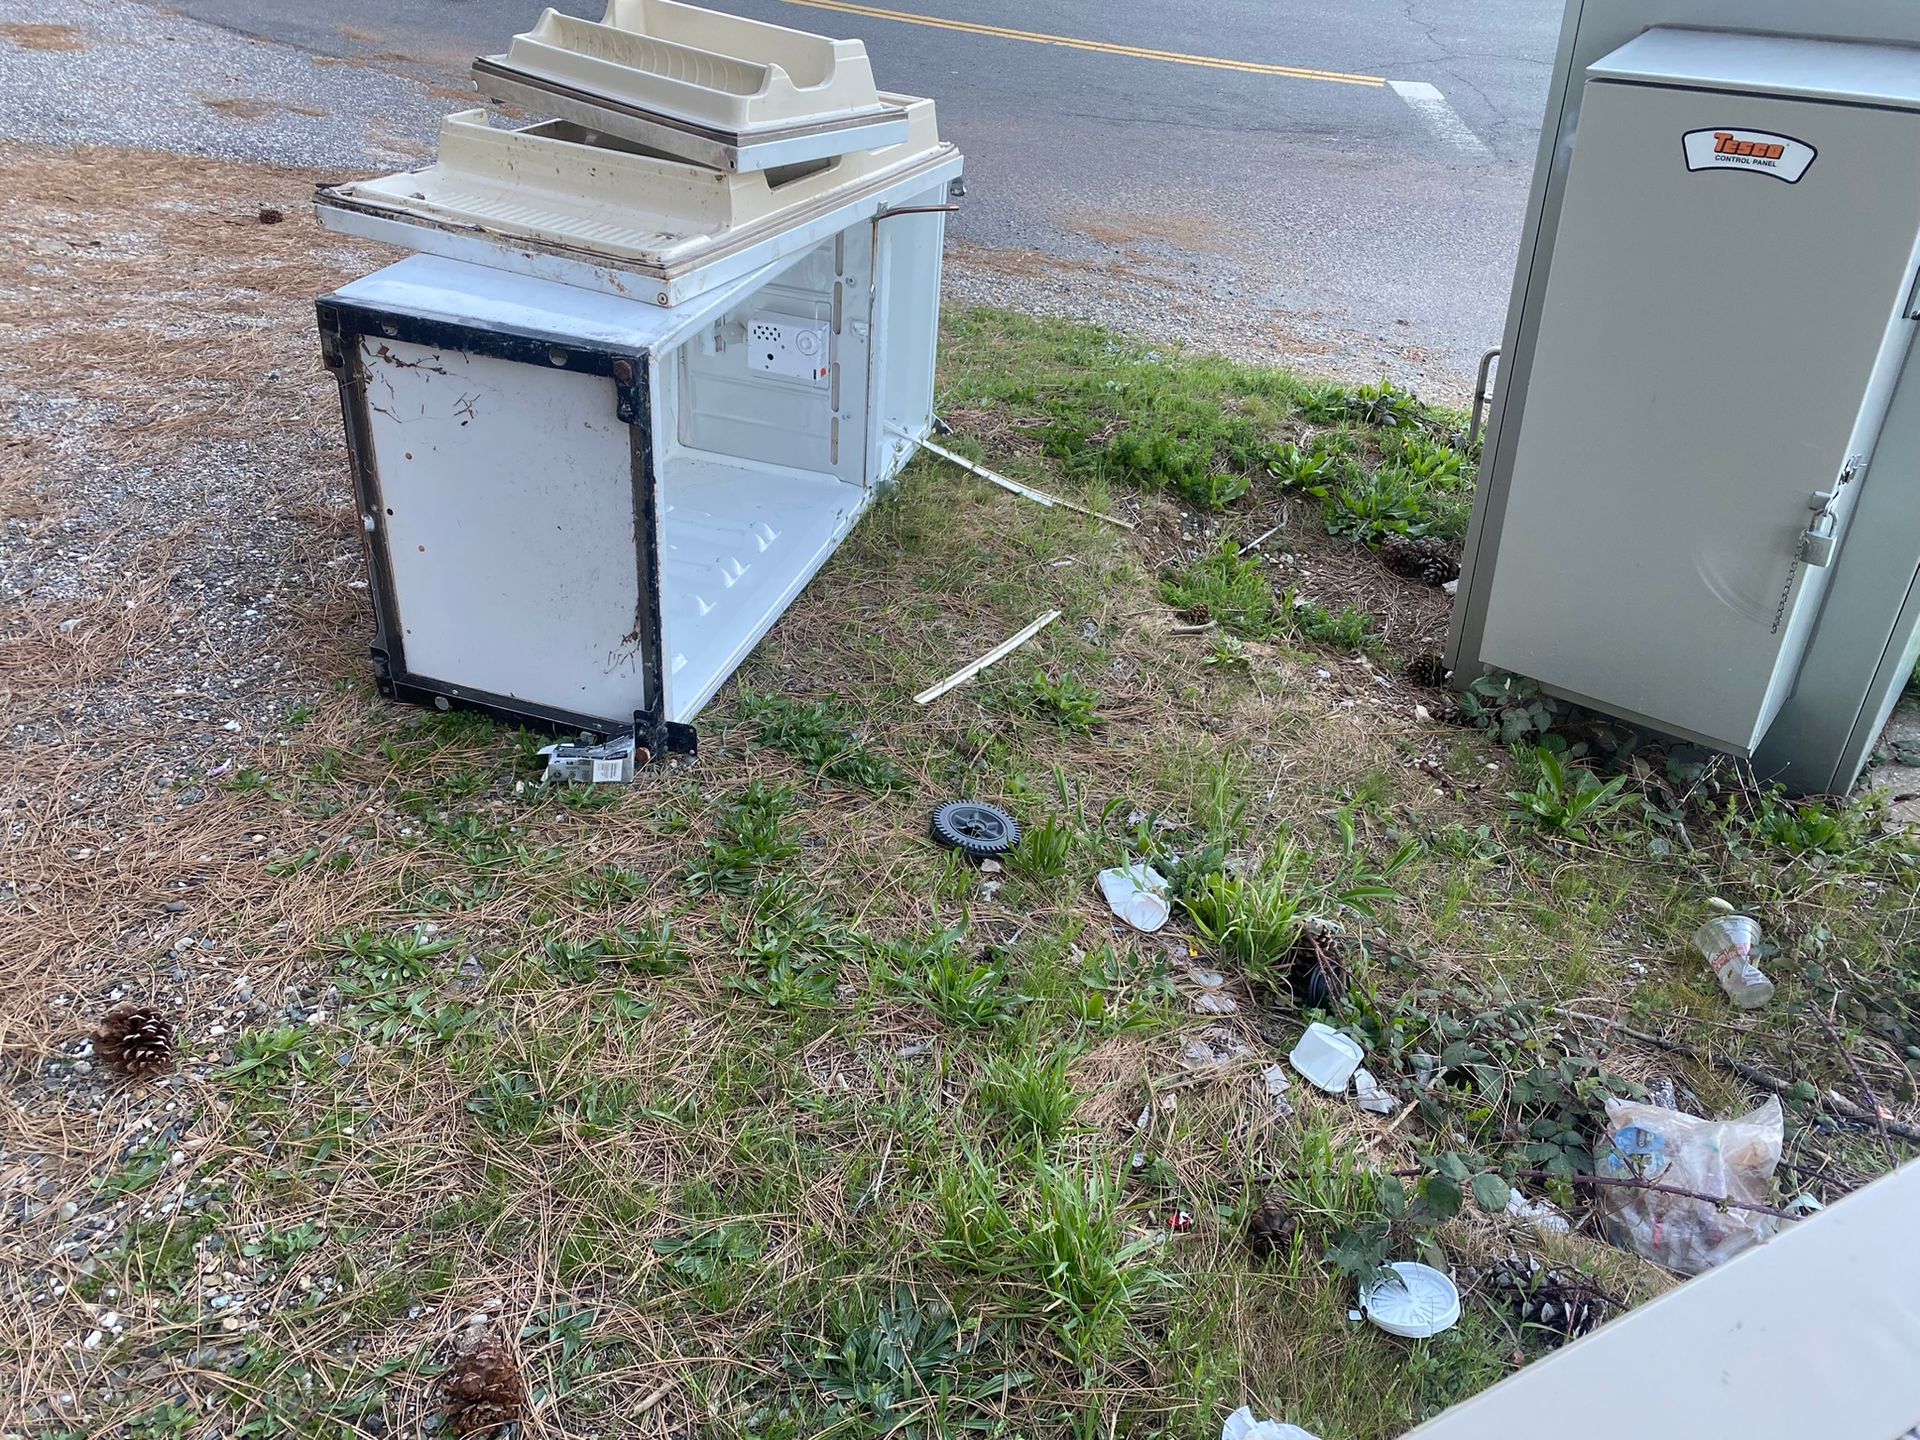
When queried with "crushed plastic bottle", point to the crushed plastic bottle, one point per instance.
{"points": [[1727, 941]]}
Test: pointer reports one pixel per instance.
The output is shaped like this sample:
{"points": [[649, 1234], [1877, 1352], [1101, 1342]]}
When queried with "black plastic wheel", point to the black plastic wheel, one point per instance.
{"points": [[975, 829]]}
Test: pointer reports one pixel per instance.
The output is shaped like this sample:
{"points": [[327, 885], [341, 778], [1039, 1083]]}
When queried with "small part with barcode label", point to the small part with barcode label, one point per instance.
{"points": [[608, 763]]}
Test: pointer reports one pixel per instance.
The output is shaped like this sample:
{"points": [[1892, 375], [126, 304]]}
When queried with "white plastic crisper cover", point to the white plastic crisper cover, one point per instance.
{"points": [[722, 71], [558, 186]]}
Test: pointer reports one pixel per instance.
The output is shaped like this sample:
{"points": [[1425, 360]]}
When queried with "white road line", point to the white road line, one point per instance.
{"points": [[1439, 117]]}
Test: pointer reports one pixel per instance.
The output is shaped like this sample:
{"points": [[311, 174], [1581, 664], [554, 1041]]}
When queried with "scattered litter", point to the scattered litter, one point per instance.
{"points": [[1414, 1301], [1426, 1068], [608, 763], [1214, 1046], [1213, 998], [1371, 1095], [1039, 497], [1727, 941], [1545, 1218], [1804, 1205], [1168, 1104], [1137, 893], [1452, 587], [1179, 1221], [1727, 1159], [1326, 1057], [1242, 1426], [1274, 1080], [975, 828], [974, 667]]}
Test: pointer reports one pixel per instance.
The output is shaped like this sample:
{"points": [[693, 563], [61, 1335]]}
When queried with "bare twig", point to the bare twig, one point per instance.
{"points": [[1628, 1182], [1754, 1074], [1853, 1068]]}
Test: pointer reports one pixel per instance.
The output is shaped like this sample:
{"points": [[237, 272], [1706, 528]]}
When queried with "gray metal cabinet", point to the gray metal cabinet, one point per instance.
{"points": [[1725, 315]]}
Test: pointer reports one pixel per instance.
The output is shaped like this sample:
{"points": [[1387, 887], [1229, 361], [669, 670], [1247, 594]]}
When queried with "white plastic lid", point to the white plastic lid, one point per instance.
{"points": [[1416, 1302]]}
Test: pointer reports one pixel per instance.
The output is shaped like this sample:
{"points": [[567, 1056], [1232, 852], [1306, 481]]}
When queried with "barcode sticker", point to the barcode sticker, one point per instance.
{"points": [[609, 772]]}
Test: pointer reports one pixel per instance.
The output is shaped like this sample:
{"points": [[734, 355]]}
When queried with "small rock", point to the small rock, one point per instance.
{"points": [[92, 1342], [83, 1067], [232, 727]]}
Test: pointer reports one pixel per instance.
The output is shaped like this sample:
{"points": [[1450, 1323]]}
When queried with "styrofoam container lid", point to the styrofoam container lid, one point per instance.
{"points": [[1417, 1302]]}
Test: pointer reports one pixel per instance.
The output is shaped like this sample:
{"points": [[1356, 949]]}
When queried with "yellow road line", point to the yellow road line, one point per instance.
{"points": [[1098, 47]]}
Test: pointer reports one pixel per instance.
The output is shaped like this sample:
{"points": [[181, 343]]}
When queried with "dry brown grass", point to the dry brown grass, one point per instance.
{"points": [[66, 38], [252, 107]]}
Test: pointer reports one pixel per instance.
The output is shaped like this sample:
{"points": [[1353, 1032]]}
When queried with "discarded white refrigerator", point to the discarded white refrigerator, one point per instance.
{"points": [[626, 405]]}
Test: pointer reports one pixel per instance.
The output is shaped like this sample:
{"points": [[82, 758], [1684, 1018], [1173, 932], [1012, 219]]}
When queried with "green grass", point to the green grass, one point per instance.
{"points": [[1227, 587], [1348, 629], [746, 1097]]}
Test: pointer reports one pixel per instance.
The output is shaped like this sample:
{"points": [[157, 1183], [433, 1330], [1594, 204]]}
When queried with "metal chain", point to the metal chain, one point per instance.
{"points": [[1826, 511], [1786, 590]]}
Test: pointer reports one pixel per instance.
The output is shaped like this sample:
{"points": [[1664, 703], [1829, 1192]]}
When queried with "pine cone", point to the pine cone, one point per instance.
{"points": [[1270, 1229], [483, 1387], [1566, 1305], [1429, 669], [1420, 558], [135, 1039]]}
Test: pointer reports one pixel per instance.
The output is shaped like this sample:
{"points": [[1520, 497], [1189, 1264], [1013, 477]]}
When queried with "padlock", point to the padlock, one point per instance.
{"points": [[1817, 543]]}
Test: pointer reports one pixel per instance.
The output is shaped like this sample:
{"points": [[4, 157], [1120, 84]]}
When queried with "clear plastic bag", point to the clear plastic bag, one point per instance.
{"points": [[1731, 1158]]}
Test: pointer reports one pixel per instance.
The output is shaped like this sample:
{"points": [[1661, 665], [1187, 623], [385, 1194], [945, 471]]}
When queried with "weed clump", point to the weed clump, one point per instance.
{"points": [[1227, 586], [1068, 703], [821, 737]]}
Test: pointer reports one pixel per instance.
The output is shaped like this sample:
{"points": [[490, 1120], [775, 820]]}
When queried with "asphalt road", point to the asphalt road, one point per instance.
{"points": [[1333, 220]]}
